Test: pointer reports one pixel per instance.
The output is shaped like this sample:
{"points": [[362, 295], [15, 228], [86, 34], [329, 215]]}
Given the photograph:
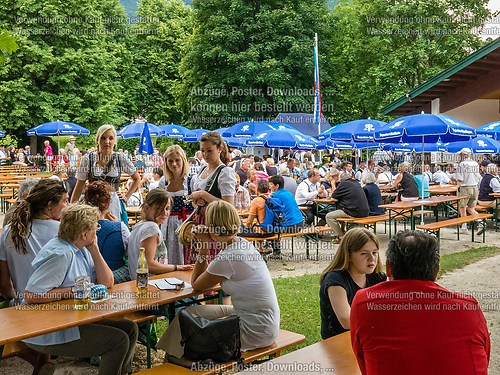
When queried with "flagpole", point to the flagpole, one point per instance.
{"points": [[317, 87]]}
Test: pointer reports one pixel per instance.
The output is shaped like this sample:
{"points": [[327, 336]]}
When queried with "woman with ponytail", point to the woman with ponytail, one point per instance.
{"points": [[34, 222], [215, 181]]}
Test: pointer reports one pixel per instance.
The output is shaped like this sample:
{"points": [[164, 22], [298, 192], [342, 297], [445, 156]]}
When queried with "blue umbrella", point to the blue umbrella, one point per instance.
{"points": [[284, 138], [478, 145], [491, 130], [135, 130], [199, 133], [357, 130], [415, 147], [2, 134], [146, 144], [58, 128], [220, 130], [247, 129], [329, 143], [425, 128], [235, 142], [178, 131]]}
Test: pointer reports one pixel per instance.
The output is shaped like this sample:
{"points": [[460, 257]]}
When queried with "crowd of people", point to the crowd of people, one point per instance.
{"points": [[48, 241]]}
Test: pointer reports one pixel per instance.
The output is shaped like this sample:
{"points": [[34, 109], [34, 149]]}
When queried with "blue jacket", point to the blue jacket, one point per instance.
{"points": [[292, 212]]}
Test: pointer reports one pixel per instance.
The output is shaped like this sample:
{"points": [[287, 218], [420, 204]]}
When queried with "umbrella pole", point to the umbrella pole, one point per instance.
{"points": [[423, 185]]}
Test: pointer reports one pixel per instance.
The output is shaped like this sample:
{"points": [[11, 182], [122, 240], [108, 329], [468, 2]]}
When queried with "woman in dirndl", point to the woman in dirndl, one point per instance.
{"points": [[176, 170], [214, 181]]}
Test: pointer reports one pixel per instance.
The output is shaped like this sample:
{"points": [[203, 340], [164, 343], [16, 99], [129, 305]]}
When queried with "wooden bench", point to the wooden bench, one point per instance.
{"points": [[285, 340], [310, 233], [436, 227], [12, 349], [371, 222]]}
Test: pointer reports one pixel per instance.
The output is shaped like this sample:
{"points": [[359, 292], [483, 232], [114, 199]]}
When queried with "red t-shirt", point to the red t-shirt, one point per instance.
{"points": [[416, 327]]}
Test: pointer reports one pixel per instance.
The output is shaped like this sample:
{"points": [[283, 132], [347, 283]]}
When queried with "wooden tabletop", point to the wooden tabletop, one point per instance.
{"points": [[431, 201], [327, 200], [134, 210], [21, 322], [330, 356], [442, 189]]}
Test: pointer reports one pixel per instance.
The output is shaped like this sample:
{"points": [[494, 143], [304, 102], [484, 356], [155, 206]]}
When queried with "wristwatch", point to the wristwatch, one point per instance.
{"points": [[200, 258]]}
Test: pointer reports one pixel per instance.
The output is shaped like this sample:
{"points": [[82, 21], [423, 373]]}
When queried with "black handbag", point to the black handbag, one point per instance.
{"points": [[218, 339]]}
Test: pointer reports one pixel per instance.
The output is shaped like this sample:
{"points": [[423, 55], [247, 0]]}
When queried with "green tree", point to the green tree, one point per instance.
{"points": [[250, 59], [383, 49], [155, 48], [8, 44], [66, 65]]}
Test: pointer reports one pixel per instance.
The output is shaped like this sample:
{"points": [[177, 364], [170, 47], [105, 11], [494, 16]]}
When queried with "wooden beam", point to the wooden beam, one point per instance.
{"points": [[462, 95]]}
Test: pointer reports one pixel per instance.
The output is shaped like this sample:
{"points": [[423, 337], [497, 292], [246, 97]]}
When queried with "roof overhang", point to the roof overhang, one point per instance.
{"points": [[475, 77]]}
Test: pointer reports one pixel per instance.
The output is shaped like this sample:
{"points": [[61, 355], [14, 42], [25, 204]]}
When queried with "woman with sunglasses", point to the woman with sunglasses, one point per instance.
{"points": [[147, 234], [107, 165]]}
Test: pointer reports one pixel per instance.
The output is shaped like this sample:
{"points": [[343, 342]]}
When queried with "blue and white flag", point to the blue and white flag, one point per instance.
{"points": [[146, 145]]}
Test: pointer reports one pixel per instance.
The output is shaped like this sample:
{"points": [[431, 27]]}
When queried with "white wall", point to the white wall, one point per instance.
{"points": [[478, 112]]}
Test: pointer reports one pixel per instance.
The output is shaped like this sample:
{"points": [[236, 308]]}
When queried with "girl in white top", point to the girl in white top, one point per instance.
{"points": [[147, 234], [34, 222], [241, 272]]}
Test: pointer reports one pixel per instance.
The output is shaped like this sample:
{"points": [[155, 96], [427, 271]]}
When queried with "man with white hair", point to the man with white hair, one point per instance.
{"points": [[468, 178]]}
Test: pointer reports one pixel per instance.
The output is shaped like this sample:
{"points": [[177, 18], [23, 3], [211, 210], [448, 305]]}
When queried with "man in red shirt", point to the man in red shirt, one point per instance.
{"points": [[410, 325]]}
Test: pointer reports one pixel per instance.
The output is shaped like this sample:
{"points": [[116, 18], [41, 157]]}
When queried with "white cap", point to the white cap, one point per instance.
{"points": [[465, 150]]}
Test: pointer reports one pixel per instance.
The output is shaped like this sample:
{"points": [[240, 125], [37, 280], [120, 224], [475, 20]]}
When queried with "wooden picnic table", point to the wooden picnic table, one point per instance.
{"points": [[330, 356], [25, 321], [443, 189], [403, 208]]}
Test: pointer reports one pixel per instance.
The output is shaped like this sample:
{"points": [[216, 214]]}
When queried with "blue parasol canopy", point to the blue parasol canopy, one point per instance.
{"points": [[284, 138], [357, 130], [58, 128], [491, 130], [478, 145], [179, 132], [135, 130], [424, 128]]}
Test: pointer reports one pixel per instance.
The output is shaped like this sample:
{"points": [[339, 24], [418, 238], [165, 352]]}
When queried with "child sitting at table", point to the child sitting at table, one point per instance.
{"points": [[147, 234]]}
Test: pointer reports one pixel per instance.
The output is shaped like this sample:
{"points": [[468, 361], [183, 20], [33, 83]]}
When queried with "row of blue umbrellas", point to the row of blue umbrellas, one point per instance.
{"points": [[424, 129]]}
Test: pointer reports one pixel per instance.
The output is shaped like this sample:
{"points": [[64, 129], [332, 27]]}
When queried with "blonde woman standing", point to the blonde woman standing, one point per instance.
{"points": [[107, 165], [176, 170]]}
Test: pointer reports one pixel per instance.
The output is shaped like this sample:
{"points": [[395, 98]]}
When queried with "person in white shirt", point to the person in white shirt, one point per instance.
{"points": [[468, 178], [440, 177], [308, 189]]}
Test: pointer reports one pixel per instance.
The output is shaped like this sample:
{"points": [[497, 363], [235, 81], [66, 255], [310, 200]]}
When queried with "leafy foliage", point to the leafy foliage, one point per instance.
{"points": [[8, 45], [154, 50], [385, 49], [241, 55]]}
